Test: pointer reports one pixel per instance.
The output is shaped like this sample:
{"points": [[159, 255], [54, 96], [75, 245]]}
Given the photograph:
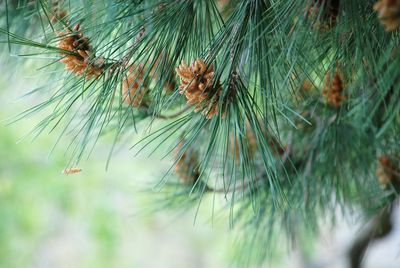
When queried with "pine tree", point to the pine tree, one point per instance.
{"points": [[288, 109]]}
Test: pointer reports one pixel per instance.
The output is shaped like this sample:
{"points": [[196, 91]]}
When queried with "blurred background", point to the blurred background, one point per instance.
{"points": [[102, 218]]}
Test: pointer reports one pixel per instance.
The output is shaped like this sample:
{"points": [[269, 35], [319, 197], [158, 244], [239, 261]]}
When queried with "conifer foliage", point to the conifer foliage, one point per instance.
{"points": [[284, 109]]}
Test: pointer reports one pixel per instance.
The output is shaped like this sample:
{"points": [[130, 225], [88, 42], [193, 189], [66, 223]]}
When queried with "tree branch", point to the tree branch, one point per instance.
{"points": [[172, 116], [381, 226]]}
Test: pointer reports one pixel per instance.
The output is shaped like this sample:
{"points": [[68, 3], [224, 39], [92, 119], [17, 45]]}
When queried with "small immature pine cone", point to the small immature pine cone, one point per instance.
{"points": [[82, 61], [187, 166], [387, 172], [197, 86], [333, 90], [130, 84], [388, 13]]}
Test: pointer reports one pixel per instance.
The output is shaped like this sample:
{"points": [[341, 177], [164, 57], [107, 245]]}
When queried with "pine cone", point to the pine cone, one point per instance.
{"points": [[82, 61], [388, 13], [333, 90], [130, 84], [187, 166], [197, 86], [387, 172]]}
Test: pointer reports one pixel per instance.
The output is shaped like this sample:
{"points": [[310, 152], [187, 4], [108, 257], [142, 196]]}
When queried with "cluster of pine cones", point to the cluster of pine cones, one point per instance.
{"points": [[79, 57], [388, 13], [197, 84]]}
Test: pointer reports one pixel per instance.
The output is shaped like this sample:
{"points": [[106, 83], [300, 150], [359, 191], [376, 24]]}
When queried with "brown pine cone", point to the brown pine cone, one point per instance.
{"points": [[388, 13], [197, 86], [333, 90], [81, 61], [130, 85], [387, 172]]}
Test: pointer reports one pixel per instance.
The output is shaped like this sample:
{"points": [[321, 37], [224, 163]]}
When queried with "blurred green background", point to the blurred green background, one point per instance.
{"points": [[96, 218]]}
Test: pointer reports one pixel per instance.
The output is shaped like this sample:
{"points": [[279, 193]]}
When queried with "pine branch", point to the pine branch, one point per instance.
{"points": [[380, 227], [294, 98]]}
